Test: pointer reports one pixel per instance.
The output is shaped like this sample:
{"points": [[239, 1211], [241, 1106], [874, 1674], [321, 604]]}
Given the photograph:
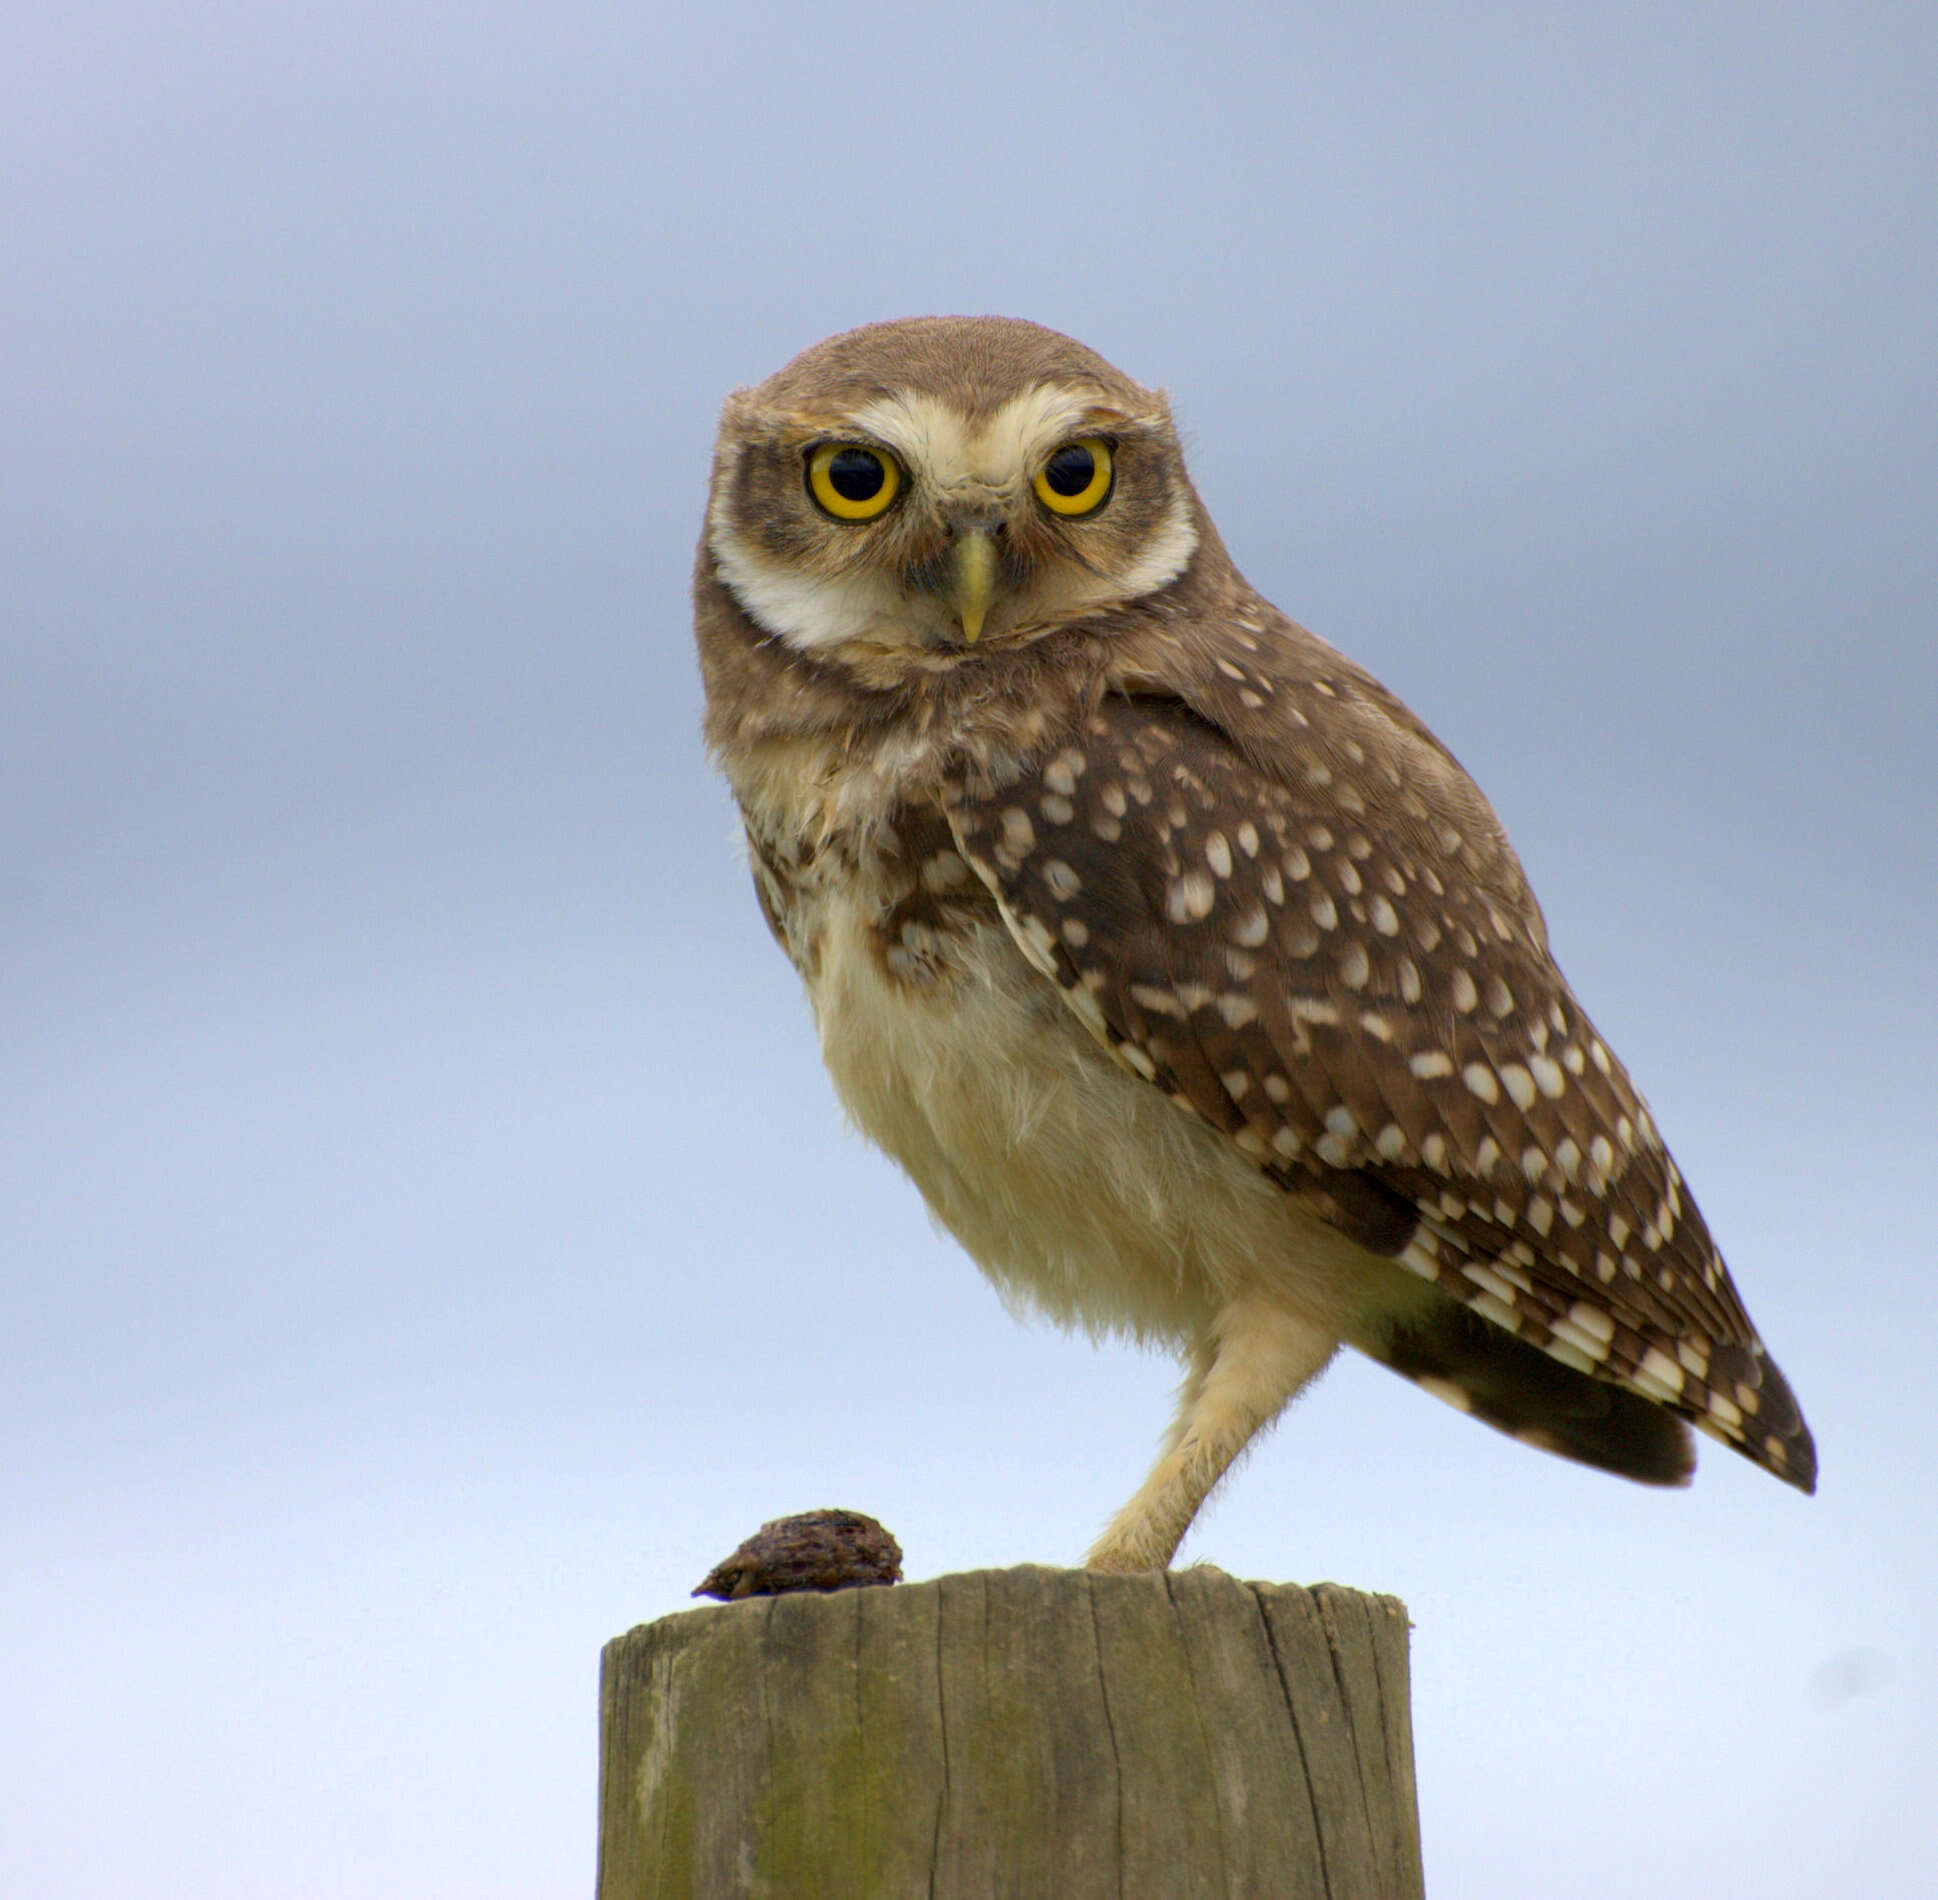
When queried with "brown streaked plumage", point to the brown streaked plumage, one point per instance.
{"points": [[1188, 975]]}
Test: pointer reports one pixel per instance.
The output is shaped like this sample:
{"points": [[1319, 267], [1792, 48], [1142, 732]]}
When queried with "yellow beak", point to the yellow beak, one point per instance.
{"points": [[972, 580]]}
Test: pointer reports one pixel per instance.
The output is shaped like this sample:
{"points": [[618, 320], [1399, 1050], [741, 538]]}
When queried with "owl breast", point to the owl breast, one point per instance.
{"points": [[1080, 1190]]}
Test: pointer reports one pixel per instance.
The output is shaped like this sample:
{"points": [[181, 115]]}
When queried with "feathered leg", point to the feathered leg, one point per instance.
{"points": [[1250, 1361]]}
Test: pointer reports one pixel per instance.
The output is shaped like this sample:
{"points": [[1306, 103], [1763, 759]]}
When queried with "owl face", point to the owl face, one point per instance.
{"points": [[974, 486]]}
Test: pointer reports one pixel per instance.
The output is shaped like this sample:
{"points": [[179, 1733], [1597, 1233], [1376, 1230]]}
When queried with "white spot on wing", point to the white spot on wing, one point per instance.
{"points": [[1518, 1083], [1658, 1376], [1252, 929], [1481, 1082]]}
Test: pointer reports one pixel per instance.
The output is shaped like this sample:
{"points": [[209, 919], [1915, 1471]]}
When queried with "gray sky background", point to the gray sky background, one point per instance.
{"points": [[427, 1241]]}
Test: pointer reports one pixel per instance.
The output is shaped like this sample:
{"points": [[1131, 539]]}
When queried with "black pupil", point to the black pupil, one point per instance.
{"points": [[856, 474], [1071, 470]]}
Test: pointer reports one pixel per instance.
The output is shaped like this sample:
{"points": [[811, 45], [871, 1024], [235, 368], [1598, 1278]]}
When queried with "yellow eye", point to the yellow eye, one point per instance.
{"points": [[851, 482], [1076, 478]]}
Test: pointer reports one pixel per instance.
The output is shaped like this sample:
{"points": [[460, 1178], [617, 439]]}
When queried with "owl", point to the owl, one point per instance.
{"points": [[1179, 965]]}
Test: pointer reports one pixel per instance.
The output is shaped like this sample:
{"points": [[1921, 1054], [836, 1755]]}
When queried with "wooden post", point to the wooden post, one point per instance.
{"points": [[1043, 1734]]}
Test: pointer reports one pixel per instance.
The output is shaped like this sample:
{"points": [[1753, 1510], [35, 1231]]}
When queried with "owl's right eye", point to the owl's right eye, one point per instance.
{"points": [[851, 482]]}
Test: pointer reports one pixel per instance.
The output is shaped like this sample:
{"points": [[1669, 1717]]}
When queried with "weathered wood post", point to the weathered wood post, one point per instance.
{"points": [[1041, 1734]]}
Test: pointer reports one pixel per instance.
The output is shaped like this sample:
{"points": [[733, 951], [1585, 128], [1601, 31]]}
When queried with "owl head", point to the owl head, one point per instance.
{"points": [[914, 493]]}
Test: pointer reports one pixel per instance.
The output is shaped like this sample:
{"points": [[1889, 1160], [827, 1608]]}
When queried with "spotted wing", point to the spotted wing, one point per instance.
{"points": [[1284, 929]]}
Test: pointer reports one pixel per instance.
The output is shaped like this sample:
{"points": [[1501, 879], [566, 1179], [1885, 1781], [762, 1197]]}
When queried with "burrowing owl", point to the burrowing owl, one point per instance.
{"points": [[1184, 970]]}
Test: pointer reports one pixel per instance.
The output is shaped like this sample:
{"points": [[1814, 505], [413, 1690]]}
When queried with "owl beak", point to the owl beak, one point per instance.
{"points": [[972, 580]]}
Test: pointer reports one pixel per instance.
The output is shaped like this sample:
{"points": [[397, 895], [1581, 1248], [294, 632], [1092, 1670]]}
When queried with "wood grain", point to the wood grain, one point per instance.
{"points": [[1028, 1732]]}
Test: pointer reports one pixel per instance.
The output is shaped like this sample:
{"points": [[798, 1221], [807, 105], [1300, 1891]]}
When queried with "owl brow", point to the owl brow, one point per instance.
{"points": [[1118, 429]]}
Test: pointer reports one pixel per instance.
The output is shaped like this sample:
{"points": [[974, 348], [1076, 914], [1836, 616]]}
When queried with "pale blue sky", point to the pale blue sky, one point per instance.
{"points": [[427, 1242]]}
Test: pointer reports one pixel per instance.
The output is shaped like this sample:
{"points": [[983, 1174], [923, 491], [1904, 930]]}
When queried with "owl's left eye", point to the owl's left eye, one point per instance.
{"points": [[1076, 478], [851, 481]]}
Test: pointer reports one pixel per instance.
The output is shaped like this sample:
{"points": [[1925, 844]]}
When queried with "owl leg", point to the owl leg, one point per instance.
{"points": [[1249, 1362]]}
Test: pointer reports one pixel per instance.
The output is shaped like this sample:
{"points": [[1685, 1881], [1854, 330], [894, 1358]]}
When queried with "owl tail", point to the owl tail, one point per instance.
{"points": [[1489, 1374]]}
